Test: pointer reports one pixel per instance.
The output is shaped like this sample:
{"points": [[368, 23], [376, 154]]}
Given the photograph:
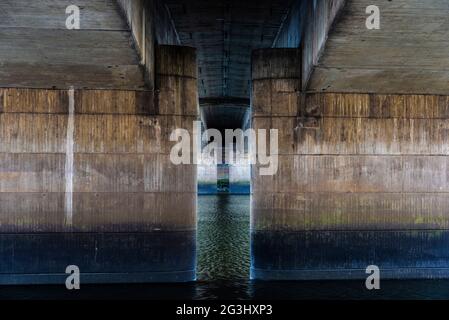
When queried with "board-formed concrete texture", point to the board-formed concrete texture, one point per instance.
{"points": [[38, 51], [409, 54], [86, 115], [85, 174], [133, 213], [363, 149]]}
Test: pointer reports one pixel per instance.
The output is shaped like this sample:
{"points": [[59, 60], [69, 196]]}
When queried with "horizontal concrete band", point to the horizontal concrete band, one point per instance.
{"points": [[119, 134], [356, 174], [26, 75], [101, 257], [51, 101], [349, 274], [176, 96], [349, 211], [92, 278], [361, 136], [281, 98], [347, 254], [29, 172]]}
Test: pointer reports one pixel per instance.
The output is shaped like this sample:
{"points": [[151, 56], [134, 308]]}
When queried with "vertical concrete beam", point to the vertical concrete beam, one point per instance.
{"points": [[276, 99], [176, 81], [151, 25], [138, 14], [320, 16], [307, 27]]}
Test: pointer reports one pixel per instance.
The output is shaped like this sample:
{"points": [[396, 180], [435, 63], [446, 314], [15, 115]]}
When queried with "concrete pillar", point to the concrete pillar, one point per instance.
{"points": [[86, 180], [361, 181], [276, 81]]}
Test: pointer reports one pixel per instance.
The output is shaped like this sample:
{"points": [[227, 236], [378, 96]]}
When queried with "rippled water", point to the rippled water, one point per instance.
{"points": [[223, 270], [223, 238], [224, 262]]}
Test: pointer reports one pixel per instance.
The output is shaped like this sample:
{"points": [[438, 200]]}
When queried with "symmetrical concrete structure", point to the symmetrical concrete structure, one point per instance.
{"points": [[225, 33], [86, 115]]}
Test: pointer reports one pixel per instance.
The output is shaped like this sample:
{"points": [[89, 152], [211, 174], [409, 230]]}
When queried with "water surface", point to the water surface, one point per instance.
{"points": [[223, 251]]}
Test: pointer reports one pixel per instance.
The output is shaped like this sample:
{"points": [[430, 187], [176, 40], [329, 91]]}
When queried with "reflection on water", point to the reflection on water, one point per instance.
{"points": [[223, 238], [239, 289], [223, 269], [224, 261]]}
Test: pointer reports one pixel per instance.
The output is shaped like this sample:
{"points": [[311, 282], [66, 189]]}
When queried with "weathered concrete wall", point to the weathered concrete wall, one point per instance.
{"points": [[362, 180], [307, 26], [407, 55], [37, 50], [151, 25], [86, 180]]}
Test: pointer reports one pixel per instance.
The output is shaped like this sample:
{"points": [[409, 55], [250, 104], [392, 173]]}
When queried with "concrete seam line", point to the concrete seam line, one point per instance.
{"points": [[69, 158]]}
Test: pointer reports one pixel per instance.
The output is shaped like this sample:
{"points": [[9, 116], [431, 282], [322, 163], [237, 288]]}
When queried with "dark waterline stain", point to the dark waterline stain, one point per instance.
{"points": [[223, 271]]}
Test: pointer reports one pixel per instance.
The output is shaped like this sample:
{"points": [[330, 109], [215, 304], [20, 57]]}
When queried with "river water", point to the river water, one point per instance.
{"points": [[224, 262], [223, 258]]}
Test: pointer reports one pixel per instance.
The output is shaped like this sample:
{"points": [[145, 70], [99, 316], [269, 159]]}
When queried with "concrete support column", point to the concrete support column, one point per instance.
{"points": [[276, 101], [86, 180], [360, 181]]}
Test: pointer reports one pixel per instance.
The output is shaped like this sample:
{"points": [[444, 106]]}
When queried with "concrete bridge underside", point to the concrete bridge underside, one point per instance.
{"points": [[363, 150], [85, 118], [86, 115]]}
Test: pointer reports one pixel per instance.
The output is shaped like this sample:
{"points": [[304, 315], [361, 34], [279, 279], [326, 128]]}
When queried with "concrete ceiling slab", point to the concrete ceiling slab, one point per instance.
{"points": [[224, 33], [409, 54], [37, 50]]}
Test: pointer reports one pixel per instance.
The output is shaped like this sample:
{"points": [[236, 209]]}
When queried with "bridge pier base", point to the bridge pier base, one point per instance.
{"points": [[86, 180], [359, 183]]}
